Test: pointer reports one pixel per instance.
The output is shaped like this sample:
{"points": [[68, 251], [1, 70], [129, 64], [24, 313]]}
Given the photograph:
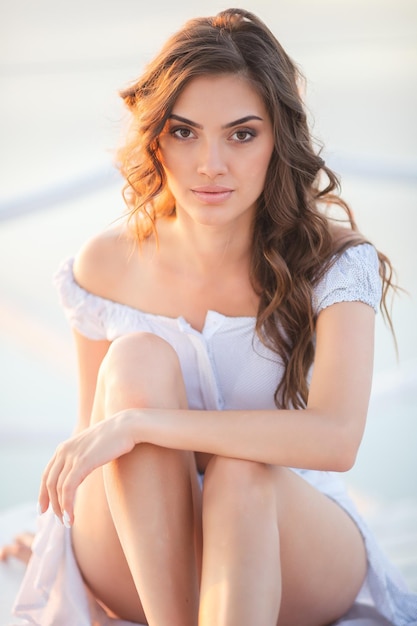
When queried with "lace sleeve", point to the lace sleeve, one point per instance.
{"points": [[353, 277]]}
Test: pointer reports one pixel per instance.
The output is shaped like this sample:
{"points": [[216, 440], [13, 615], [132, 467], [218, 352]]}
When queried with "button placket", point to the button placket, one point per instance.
{"points": [[206, 373]]}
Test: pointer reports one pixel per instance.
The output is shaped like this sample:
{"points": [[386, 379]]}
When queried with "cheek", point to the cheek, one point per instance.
{"points": [[169, 171], [174, 165], [176, 180], [166, 155], [256, 170], [164, 160]]}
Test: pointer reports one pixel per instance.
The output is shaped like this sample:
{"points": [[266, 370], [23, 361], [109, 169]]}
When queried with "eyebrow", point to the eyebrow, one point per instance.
{"points": [[241, 120]]}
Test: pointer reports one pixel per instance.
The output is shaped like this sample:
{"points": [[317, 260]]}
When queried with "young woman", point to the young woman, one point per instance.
{"points": [[225, 341]]}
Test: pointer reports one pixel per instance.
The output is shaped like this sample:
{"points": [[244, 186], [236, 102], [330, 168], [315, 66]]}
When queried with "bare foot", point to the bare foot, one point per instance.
{"points": [[20, 549]]}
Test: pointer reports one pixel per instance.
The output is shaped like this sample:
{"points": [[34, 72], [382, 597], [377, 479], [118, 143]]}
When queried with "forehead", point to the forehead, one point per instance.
{"points": [[224, 95]]}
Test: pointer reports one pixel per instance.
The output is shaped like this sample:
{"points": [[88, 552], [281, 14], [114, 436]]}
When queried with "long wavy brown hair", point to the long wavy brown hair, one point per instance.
{"points": [[294, 239]]}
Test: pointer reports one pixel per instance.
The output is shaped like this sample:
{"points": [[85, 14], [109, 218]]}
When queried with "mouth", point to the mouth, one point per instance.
{"points": [[212, 194]]}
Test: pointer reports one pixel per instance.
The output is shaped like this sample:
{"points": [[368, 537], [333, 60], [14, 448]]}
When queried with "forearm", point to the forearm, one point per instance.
{"points": [[303, 438]]}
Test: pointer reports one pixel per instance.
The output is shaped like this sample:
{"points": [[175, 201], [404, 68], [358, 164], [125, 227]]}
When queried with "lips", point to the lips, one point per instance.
{"points": [[212, 194]]}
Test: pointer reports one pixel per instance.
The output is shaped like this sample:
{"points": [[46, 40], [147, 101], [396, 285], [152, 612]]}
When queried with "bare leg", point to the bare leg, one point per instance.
{"points": [[139, 553], [270, 539], [241, 569], [275, 550]]}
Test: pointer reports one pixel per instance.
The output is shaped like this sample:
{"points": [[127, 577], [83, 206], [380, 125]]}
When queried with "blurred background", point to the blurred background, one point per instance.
{"points": [[61, 66]]}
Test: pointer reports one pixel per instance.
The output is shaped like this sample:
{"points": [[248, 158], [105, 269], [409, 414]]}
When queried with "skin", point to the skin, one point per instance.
{"points": [[20, 549], [139, 516]]}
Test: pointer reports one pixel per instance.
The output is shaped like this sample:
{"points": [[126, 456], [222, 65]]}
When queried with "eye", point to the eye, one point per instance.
{"points": [[243, 135], [182, 132]]}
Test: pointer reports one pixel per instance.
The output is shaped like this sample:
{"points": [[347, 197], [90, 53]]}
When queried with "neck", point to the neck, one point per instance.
{"points": [[207, 249]]}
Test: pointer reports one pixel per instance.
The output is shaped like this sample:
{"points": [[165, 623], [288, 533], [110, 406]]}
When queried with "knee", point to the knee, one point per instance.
{"points": [[238, 482], [142, 369]]}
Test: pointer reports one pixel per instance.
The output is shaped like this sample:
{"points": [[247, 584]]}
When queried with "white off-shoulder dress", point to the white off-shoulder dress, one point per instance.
{"points": [[224, 367]]}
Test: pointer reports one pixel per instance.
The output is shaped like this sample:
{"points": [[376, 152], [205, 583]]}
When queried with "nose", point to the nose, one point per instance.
{"points": [[212, 162]]}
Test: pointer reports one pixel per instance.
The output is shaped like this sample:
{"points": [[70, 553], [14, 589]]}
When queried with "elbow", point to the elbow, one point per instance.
{"points": [[344, 461], [344, 449]]}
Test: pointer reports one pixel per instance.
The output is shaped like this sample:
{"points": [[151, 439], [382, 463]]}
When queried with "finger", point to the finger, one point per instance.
{"points": [[69, 483], [50, 477], [43, 497]]}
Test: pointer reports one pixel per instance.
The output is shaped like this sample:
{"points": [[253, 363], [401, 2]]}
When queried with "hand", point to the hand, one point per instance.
{"points": [[77, 457]]}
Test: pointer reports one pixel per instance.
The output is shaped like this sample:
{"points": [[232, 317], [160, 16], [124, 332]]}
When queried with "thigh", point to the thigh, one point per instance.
{"points": [[323, 557]]}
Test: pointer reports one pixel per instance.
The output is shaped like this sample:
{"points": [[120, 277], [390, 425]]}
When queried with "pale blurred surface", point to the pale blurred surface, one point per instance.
{"points": [[61, 65]]}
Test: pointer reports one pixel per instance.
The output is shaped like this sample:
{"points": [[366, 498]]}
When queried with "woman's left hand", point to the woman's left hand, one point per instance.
{"points": [[77, 457]]}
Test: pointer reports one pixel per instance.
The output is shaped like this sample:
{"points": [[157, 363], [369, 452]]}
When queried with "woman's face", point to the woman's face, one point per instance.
{"points": [[215, 150]]}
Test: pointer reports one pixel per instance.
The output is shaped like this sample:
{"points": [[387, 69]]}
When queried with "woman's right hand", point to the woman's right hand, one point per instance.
{"points": [[77, 457]]}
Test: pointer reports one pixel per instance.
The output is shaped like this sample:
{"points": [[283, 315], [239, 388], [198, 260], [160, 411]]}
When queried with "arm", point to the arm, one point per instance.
{"points": [[89, 357], [91, 272], [326, 435]]}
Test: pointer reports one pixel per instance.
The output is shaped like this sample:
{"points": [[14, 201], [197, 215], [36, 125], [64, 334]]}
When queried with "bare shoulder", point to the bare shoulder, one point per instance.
{"points": [[101, 263]]}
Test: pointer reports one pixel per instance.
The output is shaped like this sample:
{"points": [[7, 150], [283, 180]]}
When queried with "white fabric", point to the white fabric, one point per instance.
{"points": [[55, 594], [224, 367]]}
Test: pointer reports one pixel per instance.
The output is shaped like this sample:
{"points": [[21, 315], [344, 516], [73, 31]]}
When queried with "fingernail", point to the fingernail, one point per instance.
{"points": [[58, 520], [66, 519], [39, 509]]}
